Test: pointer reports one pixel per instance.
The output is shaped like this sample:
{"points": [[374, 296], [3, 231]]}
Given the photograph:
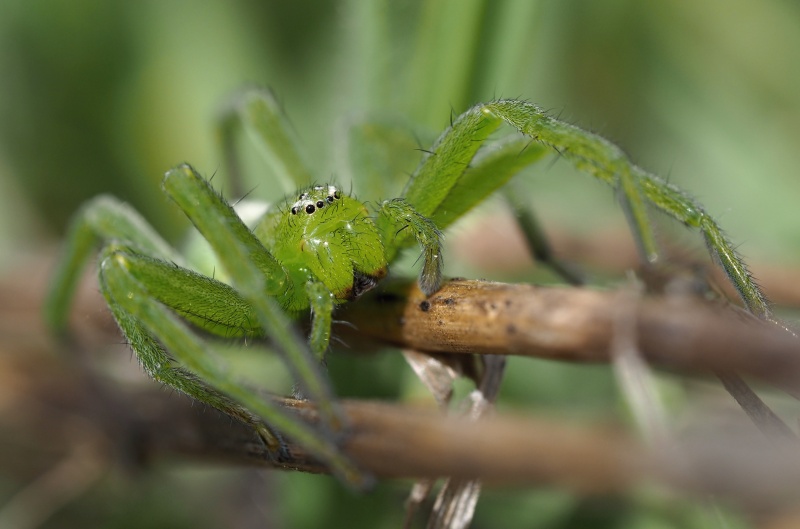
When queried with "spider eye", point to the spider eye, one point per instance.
{"points": [[320, 204], [310, 209], [294, 210], [336, 195], [329, 199], [301, 197]]}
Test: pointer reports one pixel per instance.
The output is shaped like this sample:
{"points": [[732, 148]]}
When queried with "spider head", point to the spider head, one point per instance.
{"points": [[329, 236]]}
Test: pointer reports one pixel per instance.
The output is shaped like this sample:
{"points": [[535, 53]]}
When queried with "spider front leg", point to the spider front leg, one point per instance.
{"points": [[254, 272], [145, 293], [257, 276], [189, 294], [135, 286]]}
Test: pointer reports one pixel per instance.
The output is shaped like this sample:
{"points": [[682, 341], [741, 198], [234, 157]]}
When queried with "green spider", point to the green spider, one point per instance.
{"points": [[322, 248]]}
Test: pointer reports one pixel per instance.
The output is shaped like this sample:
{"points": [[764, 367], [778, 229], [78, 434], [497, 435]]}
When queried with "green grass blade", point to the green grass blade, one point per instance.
{"points": [[441, 68], [379, 155], [265, 121]]}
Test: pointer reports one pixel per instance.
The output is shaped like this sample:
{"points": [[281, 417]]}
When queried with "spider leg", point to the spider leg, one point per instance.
{"points": [[208, 304], [256, 275], [608, 163], [491, 168], [444, 172], [438, 173], [453, 176], [400, 213], [605, 161], [321, 301], [259, 113], [103, 218], [148, 346], [152, 329], [679, 205]]}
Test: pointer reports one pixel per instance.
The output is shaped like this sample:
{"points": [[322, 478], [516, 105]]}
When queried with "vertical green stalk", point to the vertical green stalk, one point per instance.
{"points": [[444, 54]]}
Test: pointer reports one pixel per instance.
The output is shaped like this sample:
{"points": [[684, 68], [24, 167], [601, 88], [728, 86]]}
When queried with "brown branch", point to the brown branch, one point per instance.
{"points": [[575, 324], [389, 441]]}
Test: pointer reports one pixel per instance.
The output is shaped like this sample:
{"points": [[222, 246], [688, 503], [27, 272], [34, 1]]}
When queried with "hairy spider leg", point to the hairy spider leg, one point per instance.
{"points": [[207, 303], [608, 163], [452, 154], [256, 275], [488, 170], [192, 295], [401, 213], [152, 329], [474, 171], [492, 168], [104, 218]]}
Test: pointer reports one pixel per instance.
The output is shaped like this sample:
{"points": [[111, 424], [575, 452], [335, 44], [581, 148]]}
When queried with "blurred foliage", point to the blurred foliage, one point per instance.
{"points": [[105, 96]]}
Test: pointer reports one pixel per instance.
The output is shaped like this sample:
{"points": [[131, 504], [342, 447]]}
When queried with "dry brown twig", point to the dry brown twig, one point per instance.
{"points": [[396, 441], [576, 325]]}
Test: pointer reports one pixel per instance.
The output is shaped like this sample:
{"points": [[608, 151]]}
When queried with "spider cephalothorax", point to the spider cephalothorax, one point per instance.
{"points": [[328, 237]]}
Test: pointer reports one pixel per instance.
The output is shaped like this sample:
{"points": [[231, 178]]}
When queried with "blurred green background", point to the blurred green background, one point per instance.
{"points": [[99, 96]]}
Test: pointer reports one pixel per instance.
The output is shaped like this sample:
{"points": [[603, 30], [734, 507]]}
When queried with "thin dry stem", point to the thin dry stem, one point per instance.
{"points": [[576, 325]]}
